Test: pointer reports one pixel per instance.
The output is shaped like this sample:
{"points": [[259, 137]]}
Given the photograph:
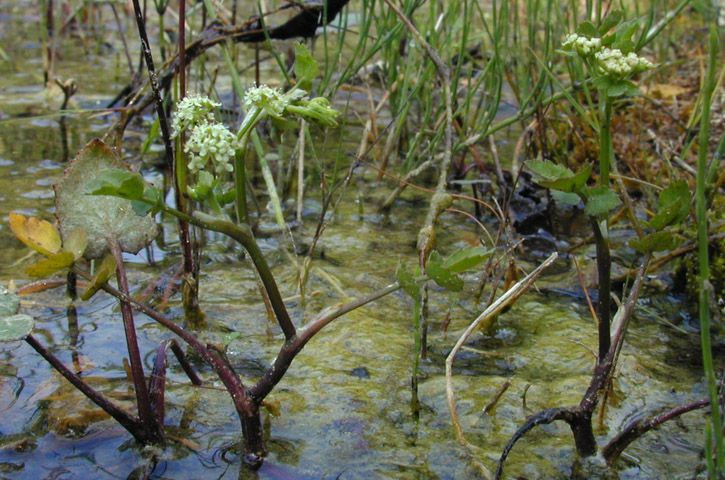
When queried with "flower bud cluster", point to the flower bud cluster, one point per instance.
{"points": [[269, 99], [583, 45], [192, 111], [209, 142], [276, 104], [610, 61], [614, 62]]}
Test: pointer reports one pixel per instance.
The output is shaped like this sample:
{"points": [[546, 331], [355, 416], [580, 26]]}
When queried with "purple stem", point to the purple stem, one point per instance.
{"points": [[126, 420], [142, 395]]}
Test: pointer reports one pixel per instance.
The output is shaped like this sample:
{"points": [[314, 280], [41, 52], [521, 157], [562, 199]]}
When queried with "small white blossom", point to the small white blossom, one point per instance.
{"points": [[583, 45], [266, 98], [613, 61], [211, 143], [192, 111]]}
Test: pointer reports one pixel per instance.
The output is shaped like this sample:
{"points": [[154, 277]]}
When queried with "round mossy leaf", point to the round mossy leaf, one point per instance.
{"points": [[102, 217], [15, 327]]}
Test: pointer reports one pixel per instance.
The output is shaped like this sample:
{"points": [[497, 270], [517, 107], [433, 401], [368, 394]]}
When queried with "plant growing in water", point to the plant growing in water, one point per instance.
{"points": [[117, 218], [609, 52]]}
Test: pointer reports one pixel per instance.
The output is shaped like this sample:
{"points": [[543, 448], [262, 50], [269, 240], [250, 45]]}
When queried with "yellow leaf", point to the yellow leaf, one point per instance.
{"points": [[37, 234], [50, 265], [105, 271]]}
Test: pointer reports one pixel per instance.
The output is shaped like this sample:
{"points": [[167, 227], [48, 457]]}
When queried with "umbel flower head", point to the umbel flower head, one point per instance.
{"points": [[266, 98], [192, 111], [276, 104], [211, 143], [612, 61], [583, 45], [609, 61]]}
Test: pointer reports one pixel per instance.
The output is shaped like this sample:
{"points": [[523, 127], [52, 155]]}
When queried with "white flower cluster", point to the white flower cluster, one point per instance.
{"points": [[267, 98], [583, 45], [191, 111], [613, 61], [211, 143], [276, 103]]}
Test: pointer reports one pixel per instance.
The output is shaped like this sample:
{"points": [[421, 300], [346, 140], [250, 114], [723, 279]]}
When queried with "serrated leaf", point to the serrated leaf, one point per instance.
{"points": [[9, 302], [600, 201], [35, 233], [441, 275], [673, 206], [558, 177], [102, 217], [408, 283], [75, 242], [306, 67], [15, 327], [50, 264], [655, 242], [104, 272], [587, 29], [466, 258], [549, 171]]}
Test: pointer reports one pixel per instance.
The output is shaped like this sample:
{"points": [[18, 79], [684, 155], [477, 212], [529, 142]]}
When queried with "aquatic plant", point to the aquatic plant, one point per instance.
{"points": [[609, 52]]}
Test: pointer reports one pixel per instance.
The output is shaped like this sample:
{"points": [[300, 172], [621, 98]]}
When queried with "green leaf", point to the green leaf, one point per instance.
{"points": [[623, 38], [608, 39], [587, 29], [558, 177], [441, 275], [600, 201], [565, 198], [655, 242], [618, 88], [9, 303], [610, 21], [202, 189], [15, 327], [103, 217], [602, 83], [408, 281], [118, 183], [51, 264], [306, 67], [466, 258], [151, 137], [547, 171], [673, 206]]}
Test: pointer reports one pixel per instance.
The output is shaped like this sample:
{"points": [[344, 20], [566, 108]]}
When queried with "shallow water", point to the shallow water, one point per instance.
{"points": [[344, 403]]}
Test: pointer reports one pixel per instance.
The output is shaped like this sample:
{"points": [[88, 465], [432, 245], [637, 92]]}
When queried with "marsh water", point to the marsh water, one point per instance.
{"points": [[343, 409]]}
